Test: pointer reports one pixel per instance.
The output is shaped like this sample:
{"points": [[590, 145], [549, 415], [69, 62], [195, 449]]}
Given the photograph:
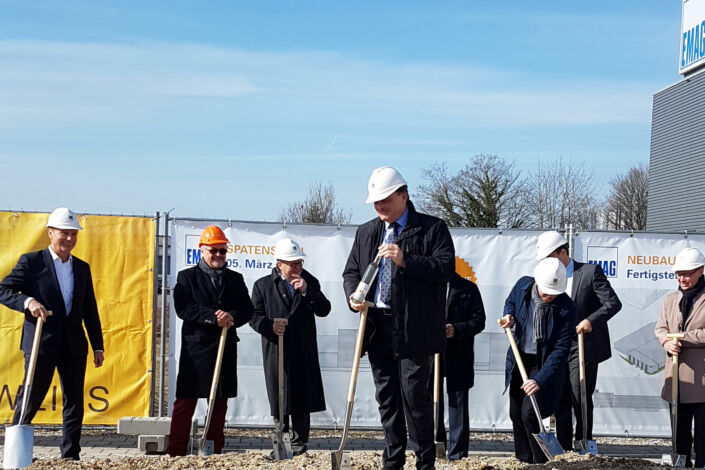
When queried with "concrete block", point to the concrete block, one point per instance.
{"points": [[136, 426], [152, 444]]}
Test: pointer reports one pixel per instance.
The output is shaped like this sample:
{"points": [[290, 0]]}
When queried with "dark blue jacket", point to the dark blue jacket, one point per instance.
{"points": [[560, 329]]}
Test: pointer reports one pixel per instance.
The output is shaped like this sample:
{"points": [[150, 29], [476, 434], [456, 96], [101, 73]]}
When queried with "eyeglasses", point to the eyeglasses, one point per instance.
{"points": [[293, 264], [217, 251], [686, 273]]}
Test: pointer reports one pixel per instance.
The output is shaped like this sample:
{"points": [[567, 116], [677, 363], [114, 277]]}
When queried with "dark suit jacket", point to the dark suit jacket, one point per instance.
{"points": [[595, 300], [196, 300], [35, 276], [303, 386], [467, 315]]}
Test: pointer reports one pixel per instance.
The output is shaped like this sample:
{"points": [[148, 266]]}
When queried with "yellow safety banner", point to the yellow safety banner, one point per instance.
{"points": [[120, 252]]}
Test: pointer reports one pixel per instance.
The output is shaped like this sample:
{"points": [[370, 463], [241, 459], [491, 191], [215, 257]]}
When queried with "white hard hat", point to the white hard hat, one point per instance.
{"points": [[287, 249], [548, 242], [63, 219], [688, 259], [550, 276], [383, 182]]}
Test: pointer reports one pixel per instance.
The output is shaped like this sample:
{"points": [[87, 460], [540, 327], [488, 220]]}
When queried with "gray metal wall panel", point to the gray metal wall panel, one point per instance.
{"points": [[676, 199]]}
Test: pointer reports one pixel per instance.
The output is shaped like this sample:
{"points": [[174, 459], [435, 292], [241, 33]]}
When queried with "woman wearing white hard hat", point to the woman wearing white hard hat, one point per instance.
{"points": [[543, 317], [684, 312]]}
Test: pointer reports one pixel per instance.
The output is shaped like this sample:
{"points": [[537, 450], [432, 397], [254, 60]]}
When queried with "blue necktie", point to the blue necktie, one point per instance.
{"points": [[385, 293]]}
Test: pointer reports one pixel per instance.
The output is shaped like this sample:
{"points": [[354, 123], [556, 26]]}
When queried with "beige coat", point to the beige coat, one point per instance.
{"points": [[691, 368]]}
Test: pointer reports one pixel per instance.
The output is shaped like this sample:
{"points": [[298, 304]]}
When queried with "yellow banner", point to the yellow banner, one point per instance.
{"points": [[120, 252]]}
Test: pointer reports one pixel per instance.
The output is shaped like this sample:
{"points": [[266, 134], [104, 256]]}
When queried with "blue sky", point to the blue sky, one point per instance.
{"points": [[226, 109]]}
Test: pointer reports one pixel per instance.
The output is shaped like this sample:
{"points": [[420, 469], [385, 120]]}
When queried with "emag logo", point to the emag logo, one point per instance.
{"points": [[606, 256]]}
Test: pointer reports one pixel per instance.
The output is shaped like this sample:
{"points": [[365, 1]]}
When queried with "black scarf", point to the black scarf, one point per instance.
{"points": [[540, 312], [686, 303], [215, 275]]}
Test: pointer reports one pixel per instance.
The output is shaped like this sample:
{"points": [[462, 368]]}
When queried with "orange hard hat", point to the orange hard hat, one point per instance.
{"points": [[212, 235]]}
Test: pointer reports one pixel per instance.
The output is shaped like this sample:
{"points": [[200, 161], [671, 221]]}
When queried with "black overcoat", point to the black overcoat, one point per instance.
{"points": [[303, 386], [467, 315], [418, 289], [196, 300]]}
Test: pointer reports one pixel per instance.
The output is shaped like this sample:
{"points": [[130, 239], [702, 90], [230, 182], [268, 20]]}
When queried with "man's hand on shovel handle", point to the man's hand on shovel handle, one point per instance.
{"points": [[224, 318], [672, 348], [279, 326], [37, 310], [530, 387]]}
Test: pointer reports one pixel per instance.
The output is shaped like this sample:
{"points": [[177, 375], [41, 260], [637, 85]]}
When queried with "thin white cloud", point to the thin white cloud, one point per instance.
{"points": [[50, 84]]}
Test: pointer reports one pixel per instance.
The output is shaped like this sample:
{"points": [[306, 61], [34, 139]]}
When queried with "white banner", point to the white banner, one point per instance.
{"points": [[628, 388]]}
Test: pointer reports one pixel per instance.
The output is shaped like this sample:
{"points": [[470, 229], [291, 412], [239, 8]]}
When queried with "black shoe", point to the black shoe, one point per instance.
{"points": [[299, 450]]}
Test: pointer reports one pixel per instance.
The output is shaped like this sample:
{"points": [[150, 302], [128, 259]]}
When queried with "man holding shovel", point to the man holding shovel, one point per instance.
{"points": [[406, 324], [54, 280], [684, 312], [207, 297], [595, 303], [290, 292], [543, 317]]}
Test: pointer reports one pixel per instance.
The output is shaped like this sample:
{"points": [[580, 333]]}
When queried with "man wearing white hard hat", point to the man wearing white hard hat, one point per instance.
{"points": [[684, 312], [406, 320], [595, 302], [54, 280], [292, 293], [543, 317]]}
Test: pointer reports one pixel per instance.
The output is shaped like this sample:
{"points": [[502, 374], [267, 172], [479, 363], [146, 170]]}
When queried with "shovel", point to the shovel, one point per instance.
{"points": [[341, 460], [674, 459], [440, 446], [206, 447], [19, 439], [587, 446], [281, 442], [547, 440]]}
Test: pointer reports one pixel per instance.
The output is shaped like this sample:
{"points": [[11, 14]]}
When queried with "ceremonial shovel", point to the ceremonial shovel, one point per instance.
{"points": [[341, 460], [206, 447], [440, 446], [281, 442], [674, 459], [587, 446], [546, 440], [19, 439]]}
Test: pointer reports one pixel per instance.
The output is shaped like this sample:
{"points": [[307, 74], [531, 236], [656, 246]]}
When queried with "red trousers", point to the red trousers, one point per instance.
{"points": [[181, 425]]}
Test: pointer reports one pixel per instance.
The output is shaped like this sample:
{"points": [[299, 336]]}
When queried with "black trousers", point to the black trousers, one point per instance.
{"points": [[404, 400], [524, 420], [72, 373], [570, 401], [687, 413], [300, 427]]}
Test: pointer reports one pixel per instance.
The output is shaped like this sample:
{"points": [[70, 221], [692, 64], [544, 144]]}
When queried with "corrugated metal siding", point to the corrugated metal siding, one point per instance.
{"points": [[676, 199]]}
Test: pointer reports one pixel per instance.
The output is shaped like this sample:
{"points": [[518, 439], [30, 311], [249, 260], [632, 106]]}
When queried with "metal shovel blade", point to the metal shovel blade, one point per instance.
{"points": [[589, 448], [673, 460], [340, 460], [201, 448], [19, 443], [281, 446], [549, 444]]}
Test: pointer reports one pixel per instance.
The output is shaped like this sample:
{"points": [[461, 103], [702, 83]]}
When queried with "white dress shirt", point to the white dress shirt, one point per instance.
{"points": [[569, 274], [64, 273]]}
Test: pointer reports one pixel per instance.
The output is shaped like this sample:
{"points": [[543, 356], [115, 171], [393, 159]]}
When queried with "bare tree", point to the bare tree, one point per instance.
{"points": [[487, 192], [319, 207], [625, 208], [563, 193]]}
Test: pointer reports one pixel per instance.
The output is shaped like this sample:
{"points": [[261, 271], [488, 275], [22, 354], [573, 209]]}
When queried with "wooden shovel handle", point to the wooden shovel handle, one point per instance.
{"points": [[517, 355], [35, 351], [581, 355], [358, 352], [436, 376]]}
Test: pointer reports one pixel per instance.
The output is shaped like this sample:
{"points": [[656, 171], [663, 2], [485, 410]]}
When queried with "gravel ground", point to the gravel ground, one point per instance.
{"points": [[322, 460]]}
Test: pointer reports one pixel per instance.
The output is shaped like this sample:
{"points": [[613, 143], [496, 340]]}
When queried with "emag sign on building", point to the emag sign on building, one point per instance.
{"points": [[692, 50]]}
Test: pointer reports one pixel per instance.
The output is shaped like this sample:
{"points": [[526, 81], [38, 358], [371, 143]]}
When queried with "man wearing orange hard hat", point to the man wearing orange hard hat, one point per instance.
{"points": [[207, 297]]}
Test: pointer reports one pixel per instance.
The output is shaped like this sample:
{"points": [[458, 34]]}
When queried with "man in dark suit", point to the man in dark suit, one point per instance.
{"points": [[406, 324], [595, 302], [207, 297], [465, 319], [293, 293], [54, 280]]}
